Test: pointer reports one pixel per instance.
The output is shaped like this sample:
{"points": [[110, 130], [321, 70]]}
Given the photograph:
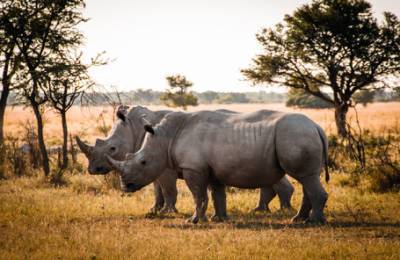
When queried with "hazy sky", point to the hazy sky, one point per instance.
{"points": [[207, 41]]}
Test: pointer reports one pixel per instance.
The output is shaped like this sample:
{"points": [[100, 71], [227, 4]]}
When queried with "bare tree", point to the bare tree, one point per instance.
{"points": [[68, 79]]}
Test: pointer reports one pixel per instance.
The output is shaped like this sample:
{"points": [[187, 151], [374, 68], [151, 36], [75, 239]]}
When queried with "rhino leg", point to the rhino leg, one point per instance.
{"points": [[314, 199], [218, 195], [167, 182], [266, 195], [317, 196], [159, 203], [285, 190], [304, 212], [197, 183]]}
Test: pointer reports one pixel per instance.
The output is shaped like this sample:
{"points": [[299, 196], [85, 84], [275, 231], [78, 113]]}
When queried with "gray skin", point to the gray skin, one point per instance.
{"points": [[126, 137], [250, 150]]}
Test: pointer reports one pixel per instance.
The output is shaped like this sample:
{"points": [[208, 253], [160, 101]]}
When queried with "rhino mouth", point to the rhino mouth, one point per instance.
{"points": [[131, 187]]}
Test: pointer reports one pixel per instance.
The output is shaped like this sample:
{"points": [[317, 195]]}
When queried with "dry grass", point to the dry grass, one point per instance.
{"points": [[86, 220], [39, 222]]}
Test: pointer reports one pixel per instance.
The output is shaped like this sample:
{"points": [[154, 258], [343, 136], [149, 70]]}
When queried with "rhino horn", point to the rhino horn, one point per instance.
{"points": [[116, 165], [86, 149]]}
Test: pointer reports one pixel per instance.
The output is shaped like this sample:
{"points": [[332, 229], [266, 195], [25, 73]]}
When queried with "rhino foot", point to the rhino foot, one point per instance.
{"points": [[195, 219], [155, 209], [167, 210], [261, 209], [216, 218], [320, 220]]}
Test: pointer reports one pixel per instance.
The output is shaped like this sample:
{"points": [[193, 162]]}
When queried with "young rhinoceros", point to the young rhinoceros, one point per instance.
{"points": [[251, 150]]}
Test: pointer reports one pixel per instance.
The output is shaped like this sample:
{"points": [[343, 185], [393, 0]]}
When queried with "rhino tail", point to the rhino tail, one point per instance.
{"points": [[325, 151]]}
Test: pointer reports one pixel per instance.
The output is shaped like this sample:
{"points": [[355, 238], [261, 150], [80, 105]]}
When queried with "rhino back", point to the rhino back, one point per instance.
{"points": [[239, 148]]}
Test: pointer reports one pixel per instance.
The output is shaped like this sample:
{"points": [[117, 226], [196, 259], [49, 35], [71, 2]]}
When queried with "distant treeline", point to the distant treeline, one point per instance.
{"points": [[152, 97]]}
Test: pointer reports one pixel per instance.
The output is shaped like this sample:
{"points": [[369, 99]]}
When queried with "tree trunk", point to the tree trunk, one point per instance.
{"points": [[3, 105], [65, 140], [42, 145], [340, 119]]}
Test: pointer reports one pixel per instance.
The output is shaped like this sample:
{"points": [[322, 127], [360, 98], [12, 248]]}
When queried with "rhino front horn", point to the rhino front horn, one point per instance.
{"points": [[86, 149], [116, 165]]}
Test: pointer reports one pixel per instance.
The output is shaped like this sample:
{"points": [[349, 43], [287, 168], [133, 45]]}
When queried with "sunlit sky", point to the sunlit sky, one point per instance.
{"points": [[207, 41]]}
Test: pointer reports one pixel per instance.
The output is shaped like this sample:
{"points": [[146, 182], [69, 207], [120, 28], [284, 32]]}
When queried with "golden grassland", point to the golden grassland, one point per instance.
{"points": [[86, 220], [377, 117], [39, 222]]}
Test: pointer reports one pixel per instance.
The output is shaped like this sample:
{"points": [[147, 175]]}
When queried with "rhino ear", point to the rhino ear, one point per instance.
{"points": [[100, 142], [149, 129], [147, 125], [122, 111]]}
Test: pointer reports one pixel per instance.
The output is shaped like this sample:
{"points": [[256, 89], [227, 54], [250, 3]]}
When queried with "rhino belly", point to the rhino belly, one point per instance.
{"points": [[250, 169]]}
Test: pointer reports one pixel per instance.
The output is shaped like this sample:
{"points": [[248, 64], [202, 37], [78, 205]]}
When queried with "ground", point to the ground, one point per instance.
{"points": [[86, 220]]}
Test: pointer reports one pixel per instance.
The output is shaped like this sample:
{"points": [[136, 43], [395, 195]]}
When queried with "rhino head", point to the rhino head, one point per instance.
{"points": [[146, 165], [117, 144]]}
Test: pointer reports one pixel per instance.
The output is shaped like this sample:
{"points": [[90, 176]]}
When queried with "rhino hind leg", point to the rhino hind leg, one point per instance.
{"points": [[267, 194], [304, 212], [285, 190], [159, 198], [218, 195], [314, 198], [197, 184]]}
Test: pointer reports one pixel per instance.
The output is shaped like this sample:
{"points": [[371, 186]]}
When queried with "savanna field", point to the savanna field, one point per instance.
{"points": [[88, 218]]}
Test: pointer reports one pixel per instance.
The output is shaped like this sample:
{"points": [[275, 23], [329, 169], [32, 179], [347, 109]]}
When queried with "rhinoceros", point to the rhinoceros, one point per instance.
{"points": [[251, 150], [127, 136]]}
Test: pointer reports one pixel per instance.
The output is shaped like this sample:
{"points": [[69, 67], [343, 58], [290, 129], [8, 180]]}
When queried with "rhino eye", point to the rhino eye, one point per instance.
{"points": [[113, 149], [143, 162]]}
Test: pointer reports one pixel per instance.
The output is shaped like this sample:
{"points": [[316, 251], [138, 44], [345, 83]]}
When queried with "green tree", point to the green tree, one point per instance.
{"points": [[364, 97], [9, 60], [42, 30], [300, 98], [179, 95], [329, 44]]}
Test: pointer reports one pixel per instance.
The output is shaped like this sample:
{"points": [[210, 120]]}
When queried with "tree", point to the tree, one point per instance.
{"points": [[208, 96], [9, 60], [42, 30], [329, 44], [300, 98], [68, 79], [364, 97], [179, 95]]}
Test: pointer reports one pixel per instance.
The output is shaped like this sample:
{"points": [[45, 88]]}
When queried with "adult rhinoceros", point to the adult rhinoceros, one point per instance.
{"points": [[127, 136], [242, 150]]}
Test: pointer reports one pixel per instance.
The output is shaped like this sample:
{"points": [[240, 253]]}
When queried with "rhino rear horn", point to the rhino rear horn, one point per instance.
{"points": [[116, 165], [86, 149]]}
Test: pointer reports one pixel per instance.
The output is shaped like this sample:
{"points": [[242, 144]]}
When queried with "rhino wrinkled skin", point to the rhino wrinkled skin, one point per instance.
{"points": [[251, 150], [127, 136]]}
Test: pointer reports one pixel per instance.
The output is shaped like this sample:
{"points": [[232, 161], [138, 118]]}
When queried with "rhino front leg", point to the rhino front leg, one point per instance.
{"points": [[285, 190], [167, 182], [218, 195], [159, 202], [197, 183], [267, 194]]}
